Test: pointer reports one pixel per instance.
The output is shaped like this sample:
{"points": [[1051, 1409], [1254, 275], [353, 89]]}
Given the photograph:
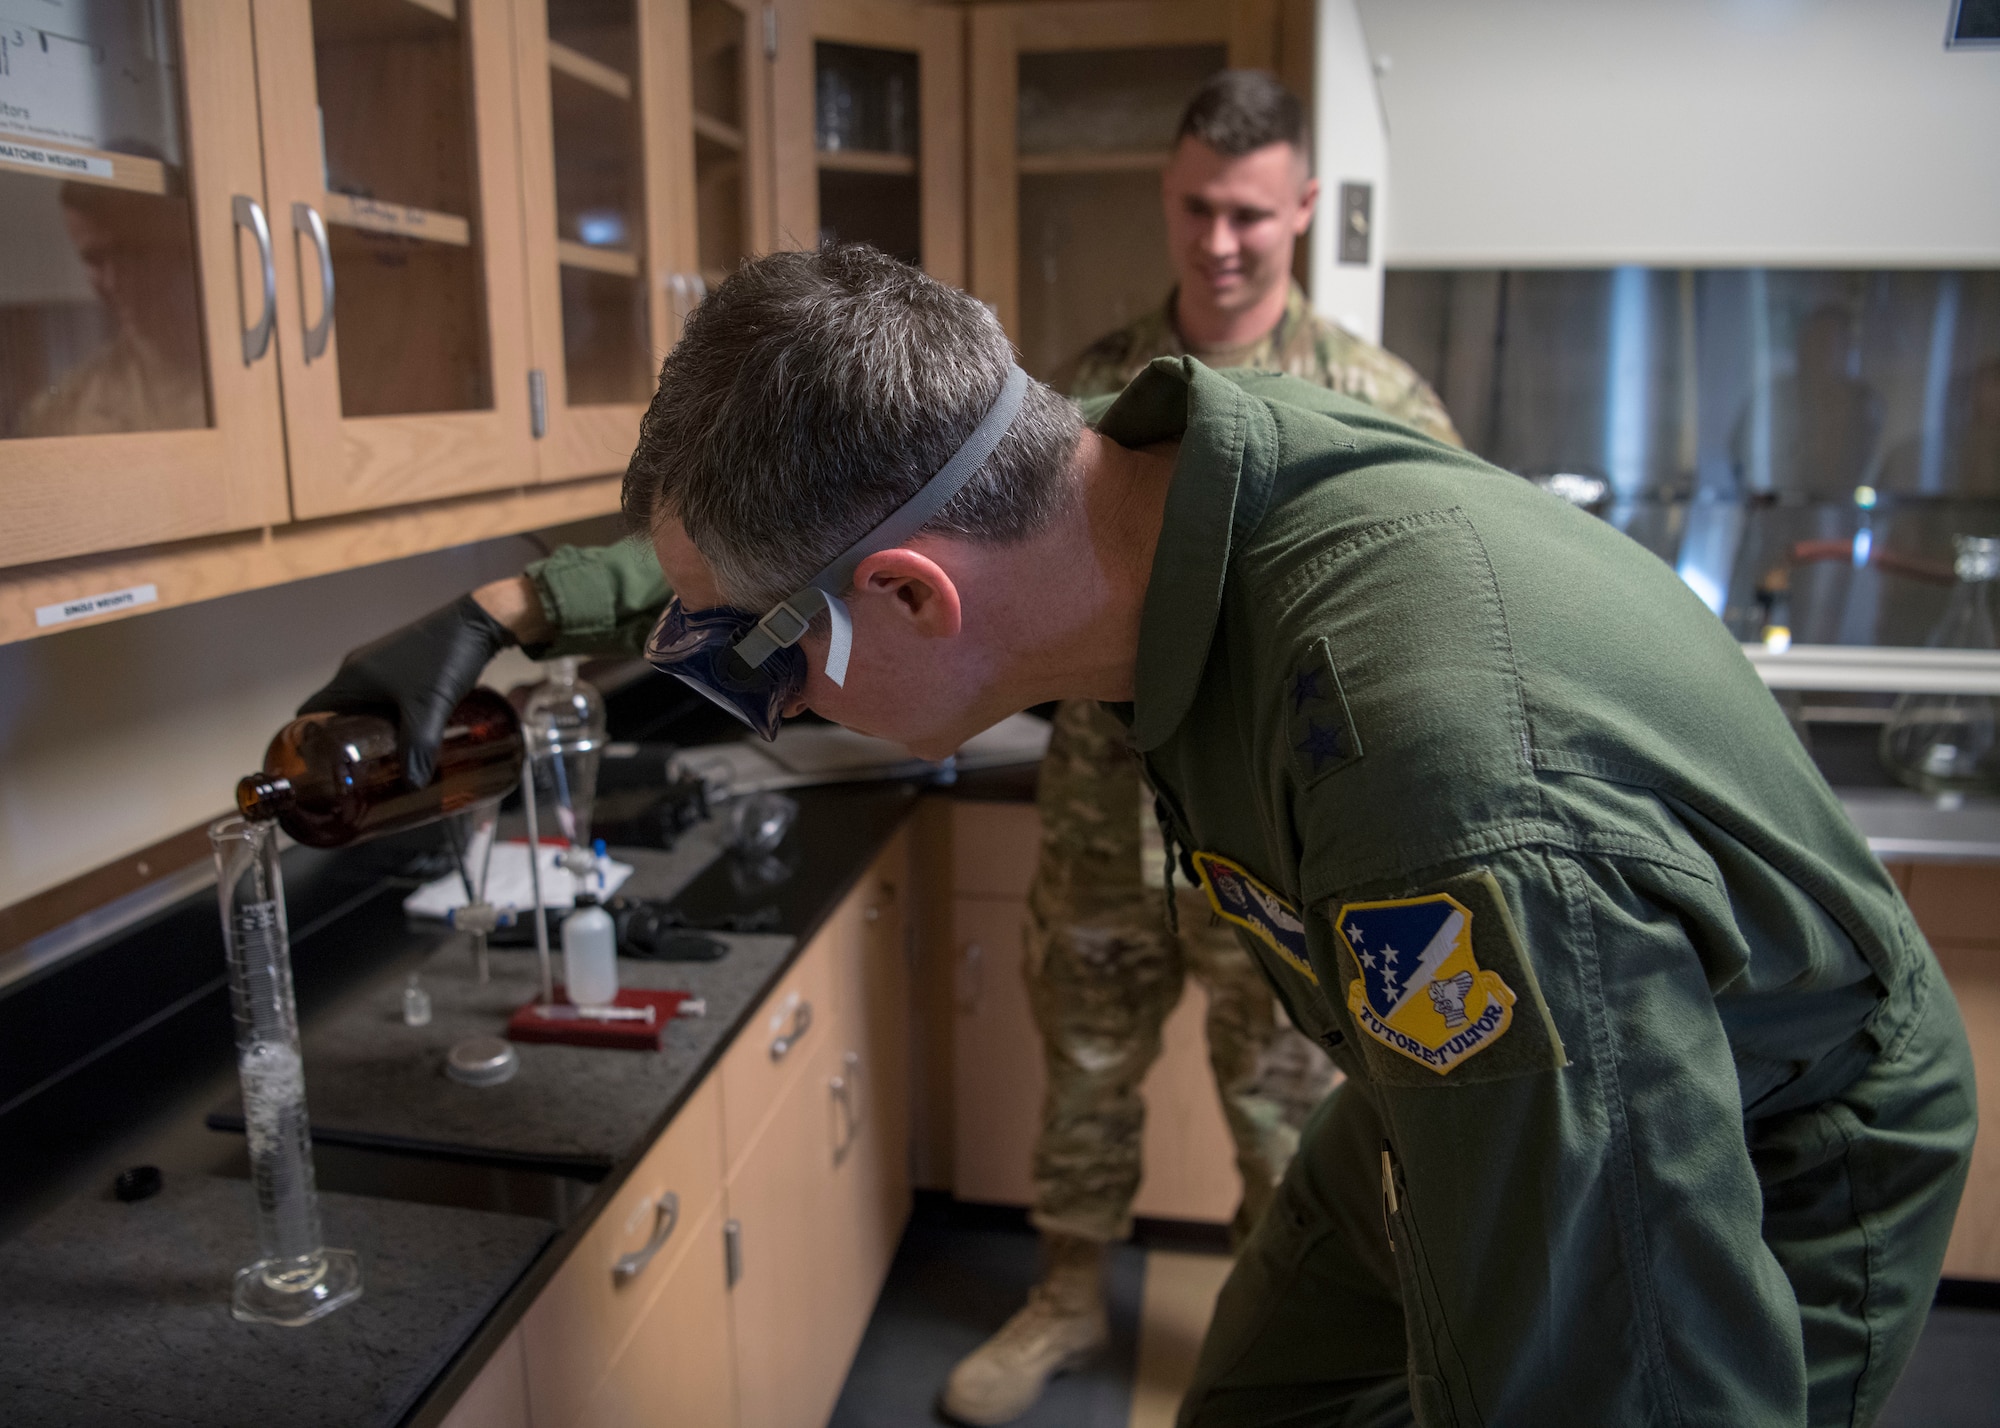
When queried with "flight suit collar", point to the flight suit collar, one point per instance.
{"points": [[1221, 486]]}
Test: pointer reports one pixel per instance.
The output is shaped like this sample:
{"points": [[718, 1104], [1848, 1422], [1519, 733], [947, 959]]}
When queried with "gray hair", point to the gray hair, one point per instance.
{"points": [[812, 394]]}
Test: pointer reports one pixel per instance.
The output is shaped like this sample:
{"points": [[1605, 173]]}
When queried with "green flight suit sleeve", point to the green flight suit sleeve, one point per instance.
{"points": [[1576, 1221], [603, 600], [1606, 1236]]}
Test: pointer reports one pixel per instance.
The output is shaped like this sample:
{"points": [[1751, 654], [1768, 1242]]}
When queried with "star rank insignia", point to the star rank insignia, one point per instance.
{"points": [[1318, 727]]}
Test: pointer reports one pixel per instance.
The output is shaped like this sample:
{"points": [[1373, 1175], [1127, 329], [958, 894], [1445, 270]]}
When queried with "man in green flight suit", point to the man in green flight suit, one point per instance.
{"points": [[1657, 1108], [1104, 970]]}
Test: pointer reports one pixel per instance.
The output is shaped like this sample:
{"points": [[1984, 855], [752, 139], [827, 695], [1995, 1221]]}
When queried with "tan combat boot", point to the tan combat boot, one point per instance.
{"points": [[1058, 1329]]}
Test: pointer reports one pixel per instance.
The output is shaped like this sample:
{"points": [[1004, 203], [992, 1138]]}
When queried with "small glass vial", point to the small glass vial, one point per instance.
{"points": [[590, 954], [416, 1003]]}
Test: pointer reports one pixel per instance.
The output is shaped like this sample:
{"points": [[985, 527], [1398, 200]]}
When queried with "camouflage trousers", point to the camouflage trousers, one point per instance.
{"points": [[1104, 972]]}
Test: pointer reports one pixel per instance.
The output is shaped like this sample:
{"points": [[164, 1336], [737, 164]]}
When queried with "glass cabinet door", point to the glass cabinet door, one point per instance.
{"points": [[138, 395], [871, 131], [393, 168], [723, 208], [593, 84], [1073, 116]]}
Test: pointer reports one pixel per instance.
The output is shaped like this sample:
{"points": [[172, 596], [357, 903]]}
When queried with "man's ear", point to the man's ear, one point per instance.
{"points": [[1308, 201], [917, 588]]}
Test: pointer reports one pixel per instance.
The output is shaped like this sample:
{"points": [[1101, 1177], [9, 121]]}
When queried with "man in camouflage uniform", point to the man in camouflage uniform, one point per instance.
{"points": [[1104, 967]]}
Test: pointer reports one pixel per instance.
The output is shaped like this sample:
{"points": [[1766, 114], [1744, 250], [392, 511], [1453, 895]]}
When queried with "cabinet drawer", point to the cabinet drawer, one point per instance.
{"points": [[1956, 902], [784, 1033], [993, 848], [498, 1397], [678, 1369], [796, 1317], [582, 1321]]}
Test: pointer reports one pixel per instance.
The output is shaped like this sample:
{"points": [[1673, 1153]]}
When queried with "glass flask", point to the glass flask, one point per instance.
{"points": [[1943, 744], [334, 779], [295, 1277], [563, 721]]}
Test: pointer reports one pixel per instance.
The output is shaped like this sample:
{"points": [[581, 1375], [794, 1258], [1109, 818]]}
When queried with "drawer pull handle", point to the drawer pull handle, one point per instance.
{"points": [[666, 1215], [802, 1020], [845, 1089]]}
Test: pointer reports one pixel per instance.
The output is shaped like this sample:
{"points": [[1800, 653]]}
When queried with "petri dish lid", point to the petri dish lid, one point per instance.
{"points": [[482, 1061]]}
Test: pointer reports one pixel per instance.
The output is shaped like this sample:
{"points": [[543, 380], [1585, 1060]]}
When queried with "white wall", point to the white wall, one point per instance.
{"points": [[117, 735], [1350, 145], [1686, 132]]}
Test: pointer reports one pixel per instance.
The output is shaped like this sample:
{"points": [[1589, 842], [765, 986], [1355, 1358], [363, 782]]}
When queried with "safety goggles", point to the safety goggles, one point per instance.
{"points": [[750, 664]]}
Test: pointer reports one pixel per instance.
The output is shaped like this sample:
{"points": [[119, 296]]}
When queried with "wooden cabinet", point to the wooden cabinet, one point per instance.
{"points": [[675, 1371], [604, 1324], [410, 266], [998, 1076], [315, 261], [721, 124], [869, 106], [1073, 109], [599, 175], [730, 1277], [1958, 907], [138, 376], [818, 1199], [392, 162], [498, 1398]]}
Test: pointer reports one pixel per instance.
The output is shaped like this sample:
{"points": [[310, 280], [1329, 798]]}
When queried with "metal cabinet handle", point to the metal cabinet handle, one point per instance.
{"points": [[306, 220], [666, 1215], [846, 1090], [802, 1020], [250, 214]]}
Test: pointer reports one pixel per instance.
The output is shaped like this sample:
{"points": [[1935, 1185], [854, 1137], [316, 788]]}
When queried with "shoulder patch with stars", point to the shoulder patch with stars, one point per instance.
{"points": [[1420, 992], [1239, 898], [1444, 988], [1318, 726]]}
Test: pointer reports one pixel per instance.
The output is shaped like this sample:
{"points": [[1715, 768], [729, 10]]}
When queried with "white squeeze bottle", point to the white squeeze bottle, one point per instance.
{"points": [[590, 954]]}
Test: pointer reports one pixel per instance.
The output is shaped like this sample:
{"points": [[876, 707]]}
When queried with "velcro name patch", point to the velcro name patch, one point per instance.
{"points": [[1240, 898]]}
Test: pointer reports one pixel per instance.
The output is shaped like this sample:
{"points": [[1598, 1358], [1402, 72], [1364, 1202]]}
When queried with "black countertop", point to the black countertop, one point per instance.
{"points": [[121, 1054], [118, 1314]]}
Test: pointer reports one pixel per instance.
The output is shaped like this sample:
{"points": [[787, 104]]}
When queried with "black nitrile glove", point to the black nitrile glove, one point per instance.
{"points": [[418, 673]]}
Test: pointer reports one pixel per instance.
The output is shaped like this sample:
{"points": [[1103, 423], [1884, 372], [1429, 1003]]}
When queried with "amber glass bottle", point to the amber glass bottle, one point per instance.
{"points": [[335, 779]]}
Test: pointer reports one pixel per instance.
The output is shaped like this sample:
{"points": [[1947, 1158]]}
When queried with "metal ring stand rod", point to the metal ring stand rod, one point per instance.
{"points": [[535, 880]]}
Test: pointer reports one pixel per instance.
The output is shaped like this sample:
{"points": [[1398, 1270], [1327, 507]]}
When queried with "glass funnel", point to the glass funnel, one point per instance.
{"points": [[564, 724], [295, 1277], [1943, 744]]}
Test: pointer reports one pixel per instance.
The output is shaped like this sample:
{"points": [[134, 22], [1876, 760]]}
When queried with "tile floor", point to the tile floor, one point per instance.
{"points": [[962, 1270]]}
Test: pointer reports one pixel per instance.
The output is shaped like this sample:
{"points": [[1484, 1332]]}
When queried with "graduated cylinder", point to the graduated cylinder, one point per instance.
{"points": [[295, 1277]]}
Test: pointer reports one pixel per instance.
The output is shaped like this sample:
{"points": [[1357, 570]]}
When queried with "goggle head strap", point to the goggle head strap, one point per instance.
{"points": [[786, 623]]}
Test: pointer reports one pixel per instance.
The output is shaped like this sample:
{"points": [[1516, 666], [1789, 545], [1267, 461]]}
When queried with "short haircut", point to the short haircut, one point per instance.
{"points": [[813, 393], [1238, 110]]}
